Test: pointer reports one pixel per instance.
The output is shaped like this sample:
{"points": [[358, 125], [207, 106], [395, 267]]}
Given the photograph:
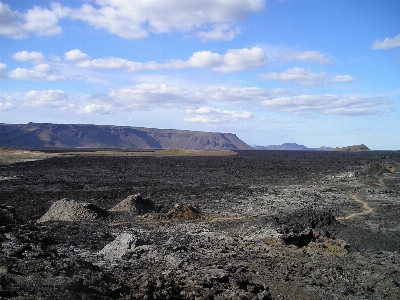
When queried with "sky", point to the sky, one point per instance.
{"points": [[311, 72]]}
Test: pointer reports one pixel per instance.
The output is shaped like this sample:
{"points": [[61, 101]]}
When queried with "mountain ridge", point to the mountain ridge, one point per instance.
{"points": [[291, 146], [51, 135]]}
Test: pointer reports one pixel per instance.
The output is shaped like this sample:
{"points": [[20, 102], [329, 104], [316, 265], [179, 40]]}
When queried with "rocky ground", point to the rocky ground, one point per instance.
{"points": [[258, 225]]}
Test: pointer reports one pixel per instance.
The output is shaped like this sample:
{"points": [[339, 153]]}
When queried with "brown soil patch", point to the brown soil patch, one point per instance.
{"points": [[184, 212]]}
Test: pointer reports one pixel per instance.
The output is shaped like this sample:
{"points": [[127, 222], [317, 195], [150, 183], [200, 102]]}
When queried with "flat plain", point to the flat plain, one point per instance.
{"points": [[255, 225]]}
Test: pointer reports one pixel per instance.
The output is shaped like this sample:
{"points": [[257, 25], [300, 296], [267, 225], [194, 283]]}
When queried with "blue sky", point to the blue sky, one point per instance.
{"points": [[312, 72]]}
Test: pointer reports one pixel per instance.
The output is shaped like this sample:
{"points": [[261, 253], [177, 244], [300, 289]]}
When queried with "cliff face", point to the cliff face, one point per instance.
{"points": [[46, 135]]}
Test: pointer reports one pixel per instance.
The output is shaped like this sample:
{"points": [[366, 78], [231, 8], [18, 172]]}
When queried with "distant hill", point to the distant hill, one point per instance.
{"points": [[47, 135], [291, 146], [355, 148]]}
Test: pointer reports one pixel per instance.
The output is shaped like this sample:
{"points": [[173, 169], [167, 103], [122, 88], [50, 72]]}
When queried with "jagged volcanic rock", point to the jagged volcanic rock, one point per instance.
{"points": [[8, 215], [122, 244]]}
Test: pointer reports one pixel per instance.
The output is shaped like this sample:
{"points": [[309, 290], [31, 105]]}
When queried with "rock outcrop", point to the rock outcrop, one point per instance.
{"points": [[121, 246]]}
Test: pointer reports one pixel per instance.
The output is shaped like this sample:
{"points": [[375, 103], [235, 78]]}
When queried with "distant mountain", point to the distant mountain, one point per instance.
{"points": [[47, 135], [355, 148], [291, 146]]}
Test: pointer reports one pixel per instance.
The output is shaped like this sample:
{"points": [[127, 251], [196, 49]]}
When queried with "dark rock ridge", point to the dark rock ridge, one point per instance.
{"points": [[291, 146], [48, 135]]}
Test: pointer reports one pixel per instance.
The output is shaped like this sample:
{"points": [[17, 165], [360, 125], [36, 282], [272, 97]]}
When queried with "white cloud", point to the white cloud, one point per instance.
{"points": [[42, 22], [3, 68], [342, 78], [141, 97], [233, 60], [208, 20], [49, 98], [235, 94], [311, 56], [34, 57], [223, 32], [305, 77], [207, 115], [9, 25], [203, 120], [37, 20], [42, 72], [115, 63], [5, 106], [95, 109], [327, 104], [298, 75], [387, 43], [76, 55]]}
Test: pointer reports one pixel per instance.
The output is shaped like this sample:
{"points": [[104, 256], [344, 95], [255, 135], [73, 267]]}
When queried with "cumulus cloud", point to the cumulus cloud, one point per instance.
{"points": [[116, 63], [5, 106], [76, 55], [298, 75], [388, 43], [3, 68], [9, 25], [233, 60], [33, 57], [50, 98], [311, 56], [42, 72], [208, 20], [207, 115], [42, 22], [95, 109], [235, 94], [223, 32], [39, 21], [140, 97], [146, 96], [342, 78], [326, 104], [305, 77]]}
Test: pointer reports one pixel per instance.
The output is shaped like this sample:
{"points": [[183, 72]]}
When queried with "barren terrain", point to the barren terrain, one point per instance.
{"points": [[256, 225]]}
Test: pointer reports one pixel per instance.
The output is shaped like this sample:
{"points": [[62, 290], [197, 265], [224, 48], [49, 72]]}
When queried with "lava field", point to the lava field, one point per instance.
{"points": [[256, 225]]}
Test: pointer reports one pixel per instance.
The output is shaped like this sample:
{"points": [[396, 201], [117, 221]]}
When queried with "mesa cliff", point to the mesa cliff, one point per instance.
{"points": [[48, 135]]}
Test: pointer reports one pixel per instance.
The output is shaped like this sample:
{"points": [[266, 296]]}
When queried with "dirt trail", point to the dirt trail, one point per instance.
{"points": [[235, 218], [367, 209]]}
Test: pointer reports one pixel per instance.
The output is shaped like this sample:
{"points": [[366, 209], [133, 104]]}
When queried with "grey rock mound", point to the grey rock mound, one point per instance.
{"points": [[70, 210], [121, 246], [135, 203], [8, 215]]}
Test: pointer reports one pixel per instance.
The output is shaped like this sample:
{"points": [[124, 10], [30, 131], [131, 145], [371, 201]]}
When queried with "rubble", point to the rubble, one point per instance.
{"points": [[70, 210], [135, 203]]}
